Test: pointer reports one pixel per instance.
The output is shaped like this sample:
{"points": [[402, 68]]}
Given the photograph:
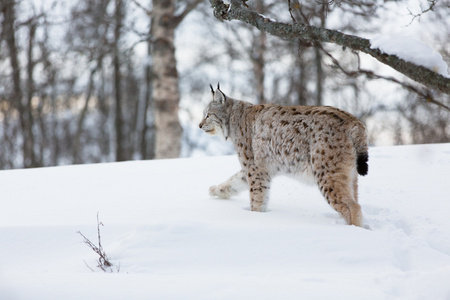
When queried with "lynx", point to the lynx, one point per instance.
{"points": [[320, 144]]}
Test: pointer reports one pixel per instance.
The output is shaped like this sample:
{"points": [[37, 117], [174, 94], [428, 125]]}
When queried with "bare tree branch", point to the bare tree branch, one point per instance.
{"points": [[235, 11], [146, 10], [190, 6], [290, 12], [424, 93], [419, 15]]}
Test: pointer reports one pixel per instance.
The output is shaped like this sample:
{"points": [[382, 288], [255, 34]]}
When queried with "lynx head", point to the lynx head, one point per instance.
{"points": [[215, 116]]}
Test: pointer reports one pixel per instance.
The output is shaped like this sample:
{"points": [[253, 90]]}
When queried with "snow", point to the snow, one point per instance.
{"points": [[267, 18], [412, 50], [171, 240]]}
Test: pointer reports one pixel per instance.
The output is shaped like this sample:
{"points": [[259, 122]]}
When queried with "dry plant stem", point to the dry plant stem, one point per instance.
{"points": [[88, 266], [103, 261]]}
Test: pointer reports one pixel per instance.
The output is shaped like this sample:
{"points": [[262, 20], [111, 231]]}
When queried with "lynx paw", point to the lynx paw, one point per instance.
{"points": [[259, 208], [220, 192]]}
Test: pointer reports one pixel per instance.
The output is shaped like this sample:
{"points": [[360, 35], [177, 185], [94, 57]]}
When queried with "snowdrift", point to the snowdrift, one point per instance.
{"points": [[168, 239]]}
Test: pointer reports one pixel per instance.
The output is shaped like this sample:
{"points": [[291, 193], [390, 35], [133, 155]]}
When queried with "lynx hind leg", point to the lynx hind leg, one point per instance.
{"points": [[355, 187], [259, 183], [230, 187], [338, 190]]}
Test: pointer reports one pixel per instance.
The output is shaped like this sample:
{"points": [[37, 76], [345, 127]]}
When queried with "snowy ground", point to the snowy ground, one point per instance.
{"points": [[173, 241]]}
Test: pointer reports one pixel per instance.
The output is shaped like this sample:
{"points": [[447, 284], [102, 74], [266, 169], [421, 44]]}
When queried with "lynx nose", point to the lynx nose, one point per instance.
{"points": [[200, 125]]}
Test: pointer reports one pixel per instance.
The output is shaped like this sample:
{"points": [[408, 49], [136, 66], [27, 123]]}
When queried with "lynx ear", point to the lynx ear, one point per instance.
{"points": [[219, 96]]}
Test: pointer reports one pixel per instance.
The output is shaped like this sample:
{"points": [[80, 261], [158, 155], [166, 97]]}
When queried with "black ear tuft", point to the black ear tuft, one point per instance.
{"points": [[212, 90], [218, 86]]}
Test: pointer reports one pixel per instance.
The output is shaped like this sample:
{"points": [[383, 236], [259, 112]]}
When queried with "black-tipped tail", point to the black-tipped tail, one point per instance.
{"points": [[361, 163]]}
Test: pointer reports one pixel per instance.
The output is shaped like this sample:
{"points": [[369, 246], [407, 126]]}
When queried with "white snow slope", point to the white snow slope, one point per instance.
{"points": [[173, 241]]}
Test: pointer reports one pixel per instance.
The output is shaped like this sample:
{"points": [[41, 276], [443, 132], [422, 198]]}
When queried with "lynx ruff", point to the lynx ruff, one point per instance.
{"points": [[318, 144]]}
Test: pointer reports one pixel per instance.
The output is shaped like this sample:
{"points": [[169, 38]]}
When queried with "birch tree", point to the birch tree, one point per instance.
{"points": [[165, 91]]}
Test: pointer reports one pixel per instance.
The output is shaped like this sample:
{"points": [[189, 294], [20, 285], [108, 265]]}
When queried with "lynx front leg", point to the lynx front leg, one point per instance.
{"points": [[259, 183], [231, 187]]}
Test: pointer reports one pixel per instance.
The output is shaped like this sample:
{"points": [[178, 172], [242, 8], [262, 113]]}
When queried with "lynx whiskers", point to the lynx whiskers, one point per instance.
{"points": [[319, 143]]}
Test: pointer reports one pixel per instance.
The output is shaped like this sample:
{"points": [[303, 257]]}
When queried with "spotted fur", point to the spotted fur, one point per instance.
{"points": [[319, 144]]}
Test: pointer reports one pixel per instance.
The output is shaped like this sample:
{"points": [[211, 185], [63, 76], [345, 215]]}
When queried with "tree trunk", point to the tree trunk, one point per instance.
{"points": [[258, 66], [320, 75], [8, 9], [30, 139], [302, 91], [258, 59], [118, 123], [147, 133], [76, 147], [165, 82]]}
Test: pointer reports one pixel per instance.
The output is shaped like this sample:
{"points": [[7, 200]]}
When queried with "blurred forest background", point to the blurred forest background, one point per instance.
{"points": [[91, 81]]}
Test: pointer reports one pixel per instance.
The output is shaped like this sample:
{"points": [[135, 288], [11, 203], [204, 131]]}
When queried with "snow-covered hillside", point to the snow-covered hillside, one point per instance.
{"points": [[173, 241]]}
